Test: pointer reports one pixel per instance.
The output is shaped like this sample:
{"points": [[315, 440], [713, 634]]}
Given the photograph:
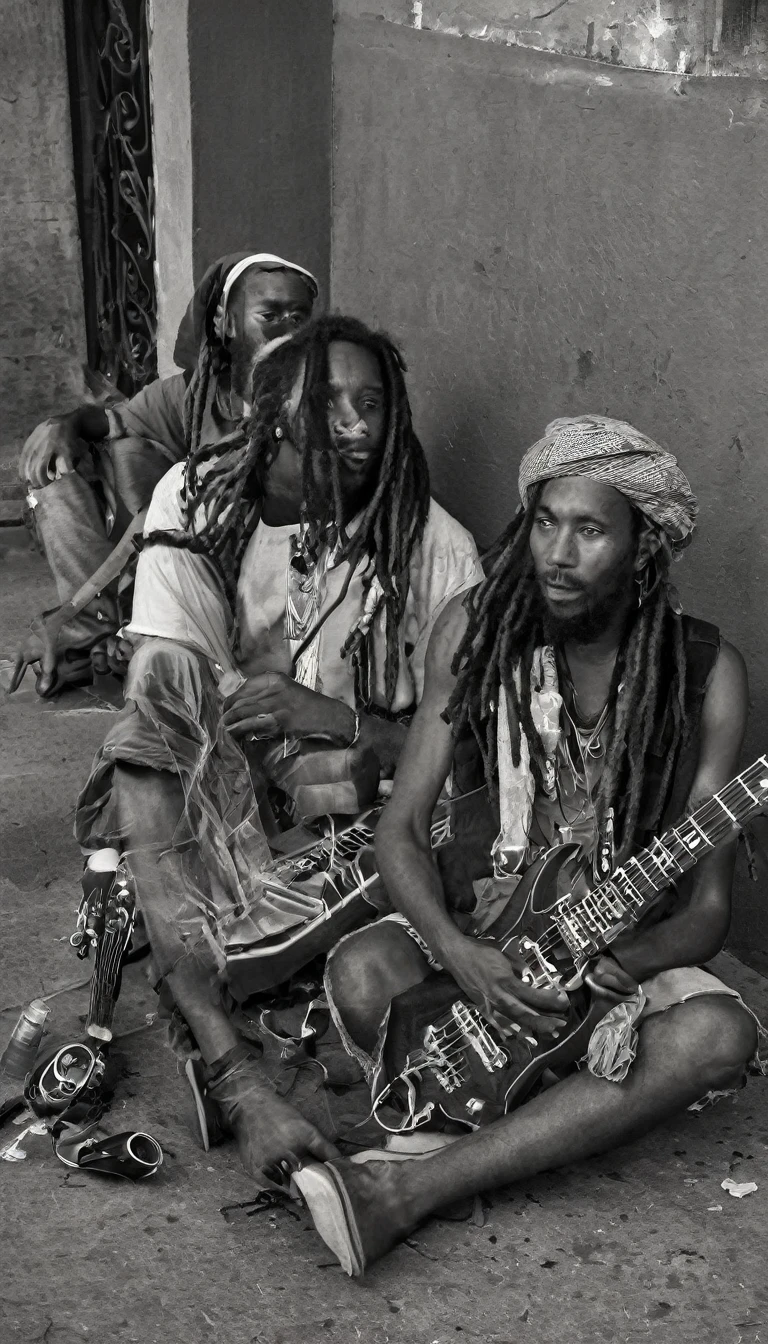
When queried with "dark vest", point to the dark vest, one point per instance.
{"points": [[475, 817]]}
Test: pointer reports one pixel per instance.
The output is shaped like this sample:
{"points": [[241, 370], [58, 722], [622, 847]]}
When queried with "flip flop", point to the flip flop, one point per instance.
{"points": [[206, 1111], [328, 1204], [132, 1155]]}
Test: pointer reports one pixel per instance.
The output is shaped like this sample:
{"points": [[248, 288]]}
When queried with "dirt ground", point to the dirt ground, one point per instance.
{"points": [[642, 1243]]}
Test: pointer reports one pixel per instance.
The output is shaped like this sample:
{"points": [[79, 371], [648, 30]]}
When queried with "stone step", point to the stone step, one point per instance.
{"points": [[11, 512]]}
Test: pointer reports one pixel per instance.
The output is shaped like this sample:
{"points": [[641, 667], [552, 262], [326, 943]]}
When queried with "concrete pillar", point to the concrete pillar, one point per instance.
{"points": [[241, 93], [172, 152]]}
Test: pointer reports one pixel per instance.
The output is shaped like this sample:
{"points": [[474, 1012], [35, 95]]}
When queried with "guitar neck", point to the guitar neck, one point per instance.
{"points": [[590, 925]]}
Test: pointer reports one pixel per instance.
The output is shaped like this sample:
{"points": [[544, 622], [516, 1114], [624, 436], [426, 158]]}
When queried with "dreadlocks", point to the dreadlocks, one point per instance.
{"points": [[196, 395], [224, 505], [505, 627]]}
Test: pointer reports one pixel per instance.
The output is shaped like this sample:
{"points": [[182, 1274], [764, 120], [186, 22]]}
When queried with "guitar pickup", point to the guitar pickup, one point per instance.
{"points": [[478, 1037]]}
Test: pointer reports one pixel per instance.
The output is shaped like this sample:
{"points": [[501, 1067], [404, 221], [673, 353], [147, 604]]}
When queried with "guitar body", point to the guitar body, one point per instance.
{"points": [[446, 1062], [312, 897]]}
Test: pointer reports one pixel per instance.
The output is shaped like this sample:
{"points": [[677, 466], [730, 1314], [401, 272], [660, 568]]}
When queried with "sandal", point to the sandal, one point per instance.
{"points": [[131, 1155]]}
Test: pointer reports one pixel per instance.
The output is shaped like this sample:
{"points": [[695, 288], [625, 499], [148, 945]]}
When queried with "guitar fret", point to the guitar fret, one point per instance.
{"points": [[648, 879], [593, 912], [666, 872], [693, 822], [692, 840], [747, 790], [616, 905], [580, 938], [635, 895], [681, 841], [717, 799]]}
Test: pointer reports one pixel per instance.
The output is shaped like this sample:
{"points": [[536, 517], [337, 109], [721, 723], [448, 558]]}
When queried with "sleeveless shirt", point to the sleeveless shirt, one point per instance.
{"points": [[475, 816]]}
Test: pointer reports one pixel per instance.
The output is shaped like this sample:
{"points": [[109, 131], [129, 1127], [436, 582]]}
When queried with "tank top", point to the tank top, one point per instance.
{"points": [[475, 816]]}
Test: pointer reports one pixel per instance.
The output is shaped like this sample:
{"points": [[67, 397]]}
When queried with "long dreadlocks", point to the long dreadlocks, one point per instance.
{"points": [[224, 504], [209, 363], [505, 627]]}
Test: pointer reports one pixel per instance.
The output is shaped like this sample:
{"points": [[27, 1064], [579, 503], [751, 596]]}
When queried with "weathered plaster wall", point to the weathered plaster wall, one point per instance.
{"points": [[260, 88], [242, 139], [701, 36], [172, 153], [548, 237], [42, 334]]}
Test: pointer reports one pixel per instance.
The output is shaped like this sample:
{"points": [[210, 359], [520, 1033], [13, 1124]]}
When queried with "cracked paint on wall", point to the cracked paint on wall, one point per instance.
{"points": [[682, 36]]}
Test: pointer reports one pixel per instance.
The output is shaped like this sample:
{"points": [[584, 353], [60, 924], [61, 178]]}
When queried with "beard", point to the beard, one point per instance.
{"points": [[593, 617]]}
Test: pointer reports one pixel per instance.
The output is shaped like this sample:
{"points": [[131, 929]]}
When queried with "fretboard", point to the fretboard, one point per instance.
{"points": [[589, 925]]}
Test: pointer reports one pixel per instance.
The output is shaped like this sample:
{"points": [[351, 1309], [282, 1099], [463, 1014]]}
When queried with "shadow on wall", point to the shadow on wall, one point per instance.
{"points": [[545, 241]]}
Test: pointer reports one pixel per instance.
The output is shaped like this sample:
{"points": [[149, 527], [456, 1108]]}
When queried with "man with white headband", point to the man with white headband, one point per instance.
{"points": [[575, 705], [89, 472]]}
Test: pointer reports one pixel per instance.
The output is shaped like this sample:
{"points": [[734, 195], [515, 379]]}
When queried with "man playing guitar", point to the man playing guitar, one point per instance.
{"points": [[569, 683]]}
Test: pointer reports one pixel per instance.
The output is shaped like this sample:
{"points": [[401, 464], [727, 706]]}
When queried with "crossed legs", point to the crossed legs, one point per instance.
{"points": [[701, 1045]]}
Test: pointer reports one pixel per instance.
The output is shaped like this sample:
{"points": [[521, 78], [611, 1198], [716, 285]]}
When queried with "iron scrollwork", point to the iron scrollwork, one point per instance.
{"points": [[110, 95]]}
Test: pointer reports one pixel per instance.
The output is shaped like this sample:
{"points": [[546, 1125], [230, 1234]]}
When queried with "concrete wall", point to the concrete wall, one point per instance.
{"points": [[42, 332], [172, 158], [260, 93], [548, 236], [242, 139]]}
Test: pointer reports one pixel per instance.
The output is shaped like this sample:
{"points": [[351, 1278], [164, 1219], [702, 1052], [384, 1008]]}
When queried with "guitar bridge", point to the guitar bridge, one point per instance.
{"points": [[446, 1067]]}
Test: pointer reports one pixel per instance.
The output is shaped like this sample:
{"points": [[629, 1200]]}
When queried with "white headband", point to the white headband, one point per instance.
{"points": [[270, 263]]}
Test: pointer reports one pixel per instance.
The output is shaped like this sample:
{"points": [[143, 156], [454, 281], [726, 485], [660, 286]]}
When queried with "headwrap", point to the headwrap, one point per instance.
{"points": [[213, 290], [619, 455]]}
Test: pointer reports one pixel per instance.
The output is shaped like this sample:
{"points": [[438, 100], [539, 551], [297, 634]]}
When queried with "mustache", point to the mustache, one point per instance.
{"points": [[555, 577]]}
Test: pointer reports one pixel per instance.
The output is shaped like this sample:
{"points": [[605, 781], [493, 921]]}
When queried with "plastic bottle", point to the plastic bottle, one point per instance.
{"points": [[20, 1054]]}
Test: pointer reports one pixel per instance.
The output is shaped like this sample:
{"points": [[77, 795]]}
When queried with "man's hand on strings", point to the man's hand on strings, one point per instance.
{"points": [[271, 704], [488, 977]]}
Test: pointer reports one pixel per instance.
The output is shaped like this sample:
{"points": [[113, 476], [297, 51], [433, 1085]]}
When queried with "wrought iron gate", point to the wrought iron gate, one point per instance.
{"points": [[107, 53]]}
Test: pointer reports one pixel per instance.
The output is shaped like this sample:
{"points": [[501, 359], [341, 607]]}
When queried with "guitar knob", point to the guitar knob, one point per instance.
{"points": [[475, 1105]]}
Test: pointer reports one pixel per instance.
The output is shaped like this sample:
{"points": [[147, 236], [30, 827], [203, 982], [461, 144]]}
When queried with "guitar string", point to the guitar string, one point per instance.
{"points": [[711, 807], [452, 1046]]}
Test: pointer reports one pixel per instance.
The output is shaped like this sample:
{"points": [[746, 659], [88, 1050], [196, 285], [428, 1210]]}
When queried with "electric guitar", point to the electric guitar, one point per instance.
{"points": [[311, 898], [447, 1061]]}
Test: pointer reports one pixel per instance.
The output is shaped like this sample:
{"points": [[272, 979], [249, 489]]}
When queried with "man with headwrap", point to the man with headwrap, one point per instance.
{"points": [[575, 704], [91, 471]]}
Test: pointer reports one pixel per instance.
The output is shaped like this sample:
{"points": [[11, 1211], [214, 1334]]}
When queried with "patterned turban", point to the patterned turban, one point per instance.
{"points": [[619, 455]]}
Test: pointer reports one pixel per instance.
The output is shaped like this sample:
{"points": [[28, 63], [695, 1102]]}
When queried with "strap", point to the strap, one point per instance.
{"points": [[107, 572]]}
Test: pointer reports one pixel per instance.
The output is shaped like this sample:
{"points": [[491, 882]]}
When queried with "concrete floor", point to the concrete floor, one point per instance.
{"points": [[640, 1244]]}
